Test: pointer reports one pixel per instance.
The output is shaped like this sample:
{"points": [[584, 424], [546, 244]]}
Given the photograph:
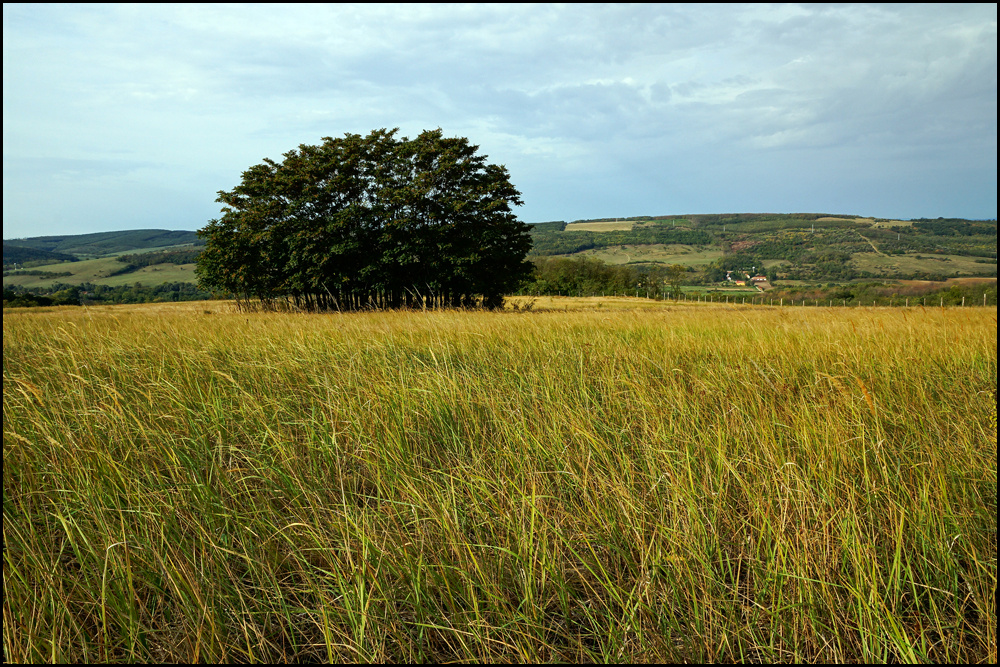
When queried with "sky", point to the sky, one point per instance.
{"points": [[127, 117]]}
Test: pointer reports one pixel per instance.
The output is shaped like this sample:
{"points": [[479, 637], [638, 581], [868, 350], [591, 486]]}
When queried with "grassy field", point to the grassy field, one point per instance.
{"points": [[659, 253], [608, 226], [910, 263], [97, 271], [681, 482]]}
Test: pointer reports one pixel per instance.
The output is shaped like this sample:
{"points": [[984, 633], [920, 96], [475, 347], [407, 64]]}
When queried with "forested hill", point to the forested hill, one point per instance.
{"points": [[100, 244]]}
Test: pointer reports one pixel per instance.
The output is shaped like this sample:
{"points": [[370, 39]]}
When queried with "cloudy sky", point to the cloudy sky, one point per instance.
{"points": [[123, 117]]}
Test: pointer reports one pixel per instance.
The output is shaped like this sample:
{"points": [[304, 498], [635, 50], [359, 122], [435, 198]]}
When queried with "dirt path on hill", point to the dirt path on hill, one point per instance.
{"points": [[877, 251]]}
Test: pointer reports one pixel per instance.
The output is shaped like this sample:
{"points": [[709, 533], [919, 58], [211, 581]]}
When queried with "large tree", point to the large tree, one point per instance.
{"points": [[375, 221]]}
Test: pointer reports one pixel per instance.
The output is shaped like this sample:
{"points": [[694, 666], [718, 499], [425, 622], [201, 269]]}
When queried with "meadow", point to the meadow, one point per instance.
{"points": [[655, 253], [99, 271], [681, 482], [914, 262]]}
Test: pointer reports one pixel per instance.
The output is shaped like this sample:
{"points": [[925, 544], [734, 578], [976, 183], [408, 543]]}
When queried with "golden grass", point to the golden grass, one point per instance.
{"points": [[573, 303], [682, 482]]}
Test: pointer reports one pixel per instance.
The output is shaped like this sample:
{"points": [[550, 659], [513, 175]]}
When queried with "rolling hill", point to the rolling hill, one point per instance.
{"points": [[102, 244], [794, 248], [16, 254]]}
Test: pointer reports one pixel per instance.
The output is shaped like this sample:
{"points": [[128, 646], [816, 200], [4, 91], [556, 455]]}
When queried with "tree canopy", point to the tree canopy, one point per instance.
{"points": [[375, 221]]}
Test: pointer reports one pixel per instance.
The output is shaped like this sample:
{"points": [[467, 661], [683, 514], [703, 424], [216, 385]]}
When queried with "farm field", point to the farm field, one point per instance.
{"points": [[658, 253], [595, 480], [940, 264], [98, 270]]}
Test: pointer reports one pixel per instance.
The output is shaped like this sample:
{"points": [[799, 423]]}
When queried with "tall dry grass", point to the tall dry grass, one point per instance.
{"points": [[693, 482]]}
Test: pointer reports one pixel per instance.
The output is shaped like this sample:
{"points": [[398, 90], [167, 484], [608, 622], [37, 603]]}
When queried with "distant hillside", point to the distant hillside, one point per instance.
{"points": [[101, 244], [14, 254], [795, 246]]}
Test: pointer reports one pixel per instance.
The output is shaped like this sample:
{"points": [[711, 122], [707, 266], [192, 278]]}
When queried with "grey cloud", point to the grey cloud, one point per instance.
{"points": [[610, 94]]}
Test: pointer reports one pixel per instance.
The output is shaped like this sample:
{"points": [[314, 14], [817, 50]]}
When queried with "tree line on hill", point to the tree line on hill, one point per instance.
{"points": [[13, 298], [23, 256], [956, 227], [719, 219], [36, 273], [550, 241], [137, 261]]}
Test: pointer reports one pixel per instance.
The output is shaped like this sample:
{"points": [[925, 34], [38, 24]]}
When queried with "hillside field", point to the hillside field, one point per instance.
{"points": [[611, 226], [98, 271], [915, 262], [678, 482], [655, 253]]}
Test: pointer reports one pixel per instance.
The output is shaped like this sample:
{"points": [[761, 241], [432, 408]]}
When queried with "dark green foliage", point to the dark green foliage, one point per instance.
{"points": [[556, 226], [739, 261], [68, 296], [588, 276], [43, 274], [771, 221], [374, 221], [713, 273], [180, 256], [14, 253], [956, 227], [89, 293], [565, 243]]}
